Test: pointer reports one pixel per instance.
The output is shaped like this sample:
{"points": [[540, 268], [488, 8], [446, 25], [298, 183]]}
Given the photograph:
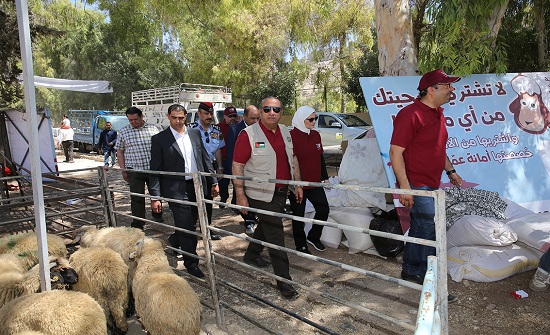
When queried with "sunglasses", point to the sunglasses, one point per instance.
{"points": [[276, 109], [207, 137], [447, 85], [313, 119], [232, 115]]}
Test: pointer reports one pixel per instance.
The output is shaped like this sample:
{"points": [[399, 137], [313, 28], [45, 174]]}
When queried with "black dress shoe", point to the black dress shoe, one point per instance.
{"points": [[412, 278], [195, 271], [215, 237], [138, 225], [305, 250], [257, 261], [286, 290]]}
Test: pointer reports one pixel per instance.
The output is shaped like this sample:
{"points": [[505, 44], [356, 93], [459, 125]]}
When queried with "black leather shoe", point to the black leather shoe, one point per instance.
{"points": [[305, 250], [138, 225], [215, 237], [412, 278], [257, 261], [451, 298], [286, 290], [195, 271]]}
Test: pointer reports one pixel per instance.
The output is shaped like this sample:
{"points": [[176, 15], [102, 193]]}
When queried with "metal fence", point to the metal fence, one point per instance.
{"points": [[103, 208]]}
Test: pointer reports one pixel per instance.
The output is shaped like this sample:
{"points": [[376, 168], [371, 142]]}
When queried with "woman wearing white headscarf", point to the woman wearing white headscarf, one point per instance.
{"points": [[309, 152]]}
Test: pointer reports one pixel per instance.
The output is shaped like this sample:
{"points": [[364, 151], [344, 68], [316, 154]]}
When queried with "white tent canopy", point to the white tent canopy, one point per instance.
{"points": [[90, 86]]}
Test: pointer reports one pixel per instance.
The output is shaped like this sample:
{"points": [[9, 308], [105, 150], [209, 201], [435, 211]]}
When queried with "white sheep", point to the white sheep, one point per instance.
{"points": [[165, 302], [104, 276], [53, 313], [120, 239], [16, 281], [26, 246]]}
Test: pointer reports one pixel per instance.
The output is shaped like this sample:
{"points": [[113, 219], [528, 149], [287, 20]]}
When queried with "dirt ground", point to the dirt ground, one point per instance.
{"points": [[482, 308]]}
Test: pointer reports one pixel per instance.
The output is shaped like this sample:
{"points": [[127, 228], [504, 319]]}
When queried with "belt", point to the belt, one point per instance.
{"points": [[281, 189]]}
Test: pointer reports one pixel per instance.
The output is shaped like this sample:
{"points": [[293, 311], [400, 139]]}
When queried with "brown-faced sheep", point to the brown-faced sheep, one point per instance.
{"points": [[165, 302], [16, 281], [104, 276], [53, 313], [26, 246]]}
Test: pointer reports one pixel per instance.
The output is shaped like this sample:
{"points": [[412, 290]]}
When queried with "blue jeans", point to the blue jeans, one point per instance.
{"points": [[545, 261], [415, 256], [109, 152]]}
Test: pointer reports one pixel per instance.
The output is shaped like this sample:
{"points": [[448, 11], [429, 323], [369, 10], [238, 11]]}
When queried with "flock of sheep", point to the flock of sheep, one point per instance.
{"points": [[111, 265]]}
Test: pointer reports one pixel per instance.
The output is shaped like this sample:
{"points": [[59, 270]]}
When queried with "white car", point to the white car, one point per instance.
{"points": [[337, 127]]}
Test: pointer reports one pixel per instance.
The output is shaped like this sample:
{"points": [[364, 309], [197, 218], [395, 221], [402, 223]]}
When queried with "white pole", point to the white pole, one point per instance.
{"points": [[32, 126]]}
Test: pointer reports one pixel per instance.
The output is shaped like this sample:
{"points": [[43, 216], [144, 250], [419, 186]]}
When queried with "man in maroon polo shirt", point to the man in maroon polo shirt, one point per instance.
{"points": [[418, 156], [265, 150]]}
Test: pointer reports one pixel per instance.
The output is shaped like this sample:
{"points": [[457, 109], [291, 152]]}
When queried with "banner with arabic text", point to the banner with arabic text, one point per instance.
{"points": [[498, 131]]}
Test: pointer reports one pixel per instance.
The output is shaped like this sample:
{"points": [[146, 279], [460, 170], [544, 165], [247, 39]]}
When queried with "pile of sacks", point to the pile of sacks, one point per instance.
{"points": [[485, 249], [361, 165]]}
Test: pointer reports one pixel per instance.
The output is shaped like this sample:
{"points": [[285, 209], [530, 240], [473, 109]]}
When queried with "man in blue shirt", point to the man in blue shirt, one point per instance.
{"points": [[107, 141]]}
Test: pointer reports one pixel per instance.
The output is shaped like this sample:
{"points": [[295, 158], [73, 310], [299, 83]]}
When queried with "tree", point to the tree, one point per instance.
{"points": [[366, 66]]}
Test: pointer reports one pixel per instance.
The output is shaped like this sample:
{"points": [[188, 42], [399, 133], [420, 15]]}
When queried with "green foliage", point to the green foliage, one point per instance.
{"points": [[459, 39], [366, 66], [281, 83]]}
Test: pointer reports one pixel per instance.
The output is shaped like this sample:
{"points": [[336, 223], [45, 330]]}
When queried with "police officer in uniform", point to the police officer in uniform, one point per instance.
{"points": [[213, 141]]}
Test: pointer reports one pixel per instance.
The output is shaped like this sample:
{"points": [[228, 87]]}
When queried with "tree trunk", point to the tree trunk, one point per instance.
{"points": [[397, 55], [541, 35]]}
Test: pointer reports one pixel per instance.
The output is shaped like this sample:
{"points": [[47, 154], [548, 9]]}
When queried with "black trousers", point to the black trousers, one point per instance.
{"points": [[137, 183], [270, 229], [319, 201], [68, 148], [186, 217]]}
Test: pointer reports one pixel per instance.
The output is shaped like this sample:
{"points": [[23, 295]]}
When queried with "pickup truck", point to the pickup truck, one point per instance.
{"points": [[88, 125], [337, 127]]}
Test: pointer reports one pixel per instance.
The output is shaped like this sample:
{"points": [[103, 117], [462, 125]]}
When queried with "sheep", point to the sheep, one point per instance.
{"points": [[16, 281], [165, 302], [120, 239], [104, 276], [26, 246], [53, 313]]}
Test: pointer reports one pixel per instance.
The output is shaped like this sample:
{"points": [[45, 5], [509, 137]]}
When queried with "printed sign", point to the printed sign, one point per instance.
{"points": [[498, 131]]}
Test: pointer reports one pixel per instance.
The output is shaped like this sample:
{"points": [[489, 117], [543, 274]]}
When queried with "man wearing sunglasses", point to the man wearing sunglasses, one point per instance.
{"points": [[418, 157], [230, 117], [265, 150]]}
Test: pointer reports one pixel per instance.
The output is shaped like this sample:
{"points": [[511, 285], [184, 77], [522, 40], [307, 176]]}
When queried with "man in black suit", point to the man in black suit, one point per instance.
{"points": [[251, 116], [180, 149]]}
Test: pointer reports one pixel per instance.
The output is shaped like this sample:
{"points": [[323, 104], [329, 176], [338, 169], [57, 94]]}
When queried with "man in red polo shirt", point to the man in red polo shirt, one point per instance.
{"points": [[418, 156], [265, 150]]}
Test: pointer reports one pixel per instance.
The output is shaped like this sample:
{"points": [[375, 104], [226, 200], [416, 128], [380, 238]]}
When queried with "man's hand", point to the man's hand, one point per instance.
{"points": [[215, 190], [156, 206], [125, 176], [455, 179], [406, 200], [242, 201], [299, 193]]}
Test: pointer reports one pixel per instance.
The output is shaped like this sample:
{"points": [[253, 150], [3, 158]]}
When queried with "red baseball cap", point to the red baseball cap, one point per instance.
{"points": [[435, 77], [230, 111]]}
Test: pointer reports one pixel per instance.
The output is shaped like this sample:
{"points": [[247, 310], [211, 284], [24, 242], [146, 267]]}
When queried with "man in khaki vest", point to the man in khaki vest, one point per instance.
{"points": [[264, 150]]}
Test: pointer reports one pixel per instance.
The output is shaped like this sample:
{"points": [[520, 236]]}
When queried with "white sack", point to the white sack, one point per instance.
{"points": [[533, 230], [331, 237], [513, 210], [479, 230], [355, 217], [362, 165], [488, 264]]}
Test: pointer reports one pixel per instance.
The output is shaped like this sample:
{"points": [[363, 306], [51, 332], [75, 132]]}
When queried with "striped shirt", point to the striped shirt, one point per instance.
{"points": [[136, 143]]}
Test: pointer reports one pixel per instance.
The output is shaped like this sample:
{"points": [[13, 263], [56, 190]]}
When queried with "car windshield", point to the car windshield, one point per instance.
{"points": [[352, 120]]}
